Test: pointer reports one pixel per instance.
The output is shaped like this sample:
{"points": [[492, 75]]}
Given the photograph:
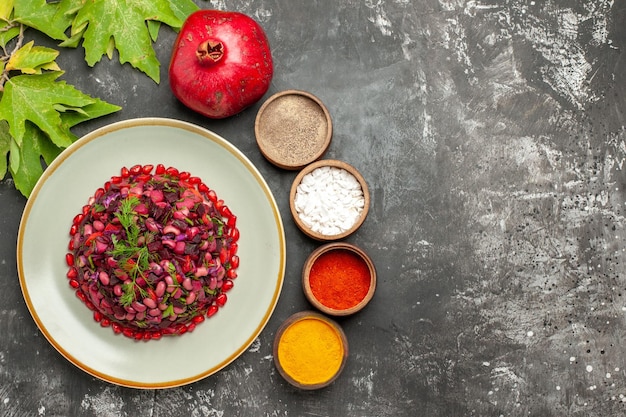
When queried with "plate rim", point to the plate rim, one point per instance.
{"points": [[208, 135]]}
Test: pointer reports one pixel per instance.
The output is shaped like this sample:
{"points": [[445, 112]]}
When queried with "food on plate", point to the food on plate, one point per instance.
{"points": [[221, 63], [153, 252]]}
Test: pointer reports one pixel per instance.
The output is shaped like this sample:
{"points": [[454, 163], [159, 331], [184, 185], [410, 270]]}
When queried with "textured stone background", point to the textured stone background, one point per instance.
{"points": [[491, 134]]}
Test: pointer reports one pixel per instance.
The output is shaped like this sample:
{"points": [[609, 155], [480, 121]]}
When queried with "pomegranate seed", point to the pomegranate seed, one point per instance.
{"points": [[90, 305], [221, 299], [191, 327], [81, 296], [72, 273], [234, 261], [232, 221], [233, 248], [99, 193], [143, 178], [135, 170], [212, 310], [139, 335], [73, 229], [105, 322], [70, 245], [157, 335], [225, 211], [147, 336], [74, 284], [212, 196], [125, 173], [107, 186], [172, 172], [198, 319], [233, 234], [147, 169], [85, 209], [116, 180], [128, 332], [78, 219], [97, 316], [117, 328], [69, 259], [194, 180], [184, 175], [160, 169], [203, 188], [231, 273], [227, 285]]}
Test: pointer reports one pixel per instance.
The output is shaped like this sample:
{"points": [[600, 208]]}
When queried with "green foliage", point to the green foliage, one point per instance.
{"points": [[37, 109]]}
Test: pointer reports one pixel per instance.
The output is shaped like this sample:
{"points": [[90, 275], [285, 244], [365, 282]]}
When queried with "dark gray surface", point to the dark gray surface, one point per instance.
{"points": [[492, 138]]}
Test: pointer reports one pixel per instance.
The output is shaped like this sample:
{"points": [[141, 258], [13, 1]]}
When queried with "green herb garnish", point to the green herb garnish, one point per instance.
{"points": [[134, 258]]}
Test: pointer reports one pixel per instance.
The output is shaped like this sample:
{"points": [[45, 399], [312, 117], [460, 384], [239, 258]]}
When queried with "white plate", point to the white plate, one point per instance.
{"points": [[44, 235]]}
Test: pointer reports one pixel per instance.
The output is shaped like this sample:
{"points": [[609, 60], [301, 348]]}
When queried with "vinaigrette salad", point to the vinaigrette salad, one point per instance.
{"points": [[153, 252]]}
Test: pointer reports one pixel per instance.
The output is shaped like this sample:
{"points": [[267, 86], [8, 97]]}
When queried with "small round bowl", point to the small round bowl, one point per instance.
{"points": [[321, 348], [354, 262], [312, 231], [293, 128]]}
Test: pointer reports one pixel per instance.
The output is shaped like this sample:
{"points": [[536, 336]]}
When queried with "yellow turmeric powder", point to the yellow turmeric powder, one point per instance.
{"points": [[310, 351]]}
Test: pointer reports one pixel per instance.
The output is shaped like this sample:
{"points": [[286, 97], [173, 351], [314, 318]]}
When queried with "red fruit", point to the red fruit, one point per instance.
{"points": [[221, 63]]}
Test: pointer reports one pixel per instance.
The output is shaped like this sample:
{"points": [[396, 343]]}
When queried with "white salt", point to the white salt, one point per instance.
{"points": [[329, 200]]}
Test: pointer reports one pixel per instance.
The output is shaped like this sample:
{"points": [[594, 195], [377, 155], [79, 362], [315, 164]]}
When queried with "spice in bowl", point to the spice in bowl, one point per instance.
{"points": [[329, 200], [293, 128], [339, 279], [310, 350]]}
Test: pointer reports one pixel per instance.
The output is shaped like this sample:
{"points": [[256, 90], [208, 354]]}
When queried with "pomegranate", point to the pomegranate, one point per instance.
{"points": [[221, 63]]}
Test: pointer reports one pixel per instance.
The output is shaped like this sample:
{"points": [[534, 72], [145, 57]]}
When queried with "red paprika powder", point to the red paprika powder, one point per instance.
{"points": [[339, 279]]}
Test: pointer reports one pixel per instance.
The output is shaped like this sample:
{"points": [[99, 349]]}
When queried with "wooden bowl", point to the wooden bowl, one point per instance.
{"points": [[293, 128], [291, 342], [311, 290], [315, 234]]}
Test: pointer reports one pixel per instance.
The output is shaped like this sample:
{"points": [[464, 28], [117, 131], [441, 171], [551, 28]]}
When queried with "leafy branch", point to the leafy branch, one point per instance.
{"points": [[37, 109]]}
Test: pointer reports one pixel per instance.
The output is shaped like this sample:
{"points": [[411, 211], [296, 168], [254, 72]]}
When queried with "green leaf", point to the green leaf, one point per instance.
{"points": [[94, 110], [7, 33], [122, 24], [5, 146], [31, 59], [153, 28], [30, 168], [73, 41], [61, 108], [6, 7], [183, 8], [33, 98], [53, 19]]}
